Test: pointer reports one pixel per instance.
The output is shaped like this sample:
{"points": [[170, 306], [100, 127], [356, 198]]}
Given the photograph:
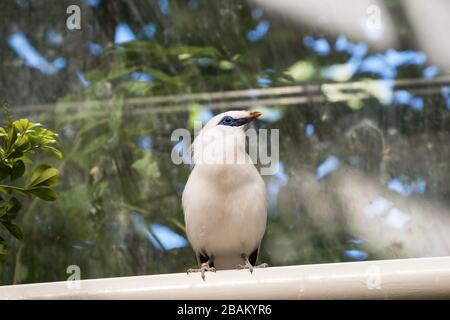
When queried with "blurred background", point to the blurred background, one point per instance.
{"points": [[359, 89]]}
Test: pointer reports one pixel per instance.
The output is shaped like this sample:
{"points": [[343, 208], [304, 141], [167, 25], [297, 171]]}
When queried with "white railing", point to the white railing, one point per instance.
{"points": [[384, 279]]}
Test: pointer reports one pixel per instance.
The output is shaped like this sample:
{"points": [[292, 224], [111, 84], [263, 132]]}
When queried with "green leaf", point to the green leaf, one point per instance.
{"points": [[5, 171], [38, 171], [21, 145], [4, 136], [13, 207], [56, 152], [16, 154], [45, 193], [25, 159], [43, 175], [4, 190], [226, 65], [23, 125], [42, 136], [12, 136], [8, 189], [13, 229], [18, 170], [301, 70]]}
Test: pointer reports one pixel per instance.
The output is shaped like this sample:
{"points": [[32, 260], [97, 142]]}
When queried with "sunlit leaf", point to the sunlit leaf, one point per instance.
{"points": [[21, 145], [23, 125], [226, 65], [43, 175], [25, 160], [57, 153], [301, 71], [12, 136]]}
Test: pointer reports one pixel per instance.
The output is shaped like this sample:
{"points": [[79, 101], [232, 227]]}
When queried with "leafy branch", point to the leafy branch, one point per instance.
{"points": [[19, 141]]}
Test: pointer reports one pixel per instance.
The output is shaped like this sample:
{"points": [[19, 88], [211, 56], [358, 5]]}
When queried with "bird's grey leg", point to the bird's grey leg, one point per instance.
{"points": [[203, 268], [248, 265]]}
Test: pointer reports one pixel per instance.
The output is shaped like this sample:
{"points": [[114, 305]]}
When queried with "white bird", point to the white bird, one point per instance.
{"points": [[224, 200]]}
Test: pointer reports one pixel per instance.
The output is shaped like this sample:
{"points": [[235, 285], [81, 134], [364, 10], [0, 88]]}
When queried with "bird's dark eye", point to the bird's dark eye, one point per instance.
{"points": [[227, 121]]}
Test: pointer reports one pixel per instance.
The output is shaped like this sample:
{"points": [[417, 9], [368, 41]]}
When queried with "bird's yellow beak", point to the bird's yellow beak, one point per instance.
{"points": [[253, 115]]}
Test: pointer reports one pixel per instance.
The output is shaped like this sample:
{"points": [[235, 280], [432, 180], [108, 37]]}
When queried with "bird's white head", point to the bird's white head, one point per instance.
{"points": [[222, 139], [233, 119]]}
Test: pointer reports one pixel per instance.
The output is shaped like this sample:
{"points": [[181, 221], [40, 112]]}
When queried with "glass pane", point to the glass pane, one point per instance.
{"points": [[359, 91]]}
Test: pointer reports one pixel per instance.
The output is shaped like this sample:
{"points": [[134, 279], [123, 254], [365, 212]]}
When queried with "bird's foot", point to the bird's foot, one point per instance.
{"points": [[262, 265], [203, 268], [249, 266]]}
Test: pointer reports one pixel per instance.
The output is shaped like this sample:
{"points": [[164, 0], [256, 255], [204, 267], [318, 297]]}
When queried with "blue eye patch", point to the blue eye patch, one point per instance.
{"points": [[229, 121]]}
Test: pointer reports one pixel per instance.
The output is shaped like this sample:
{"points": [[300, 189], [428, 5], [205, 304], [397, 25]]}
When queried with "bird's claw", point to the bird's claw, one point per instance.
{"points": [[246, 265], [249, 266], [262, 265], [203, 268]]}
